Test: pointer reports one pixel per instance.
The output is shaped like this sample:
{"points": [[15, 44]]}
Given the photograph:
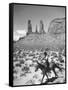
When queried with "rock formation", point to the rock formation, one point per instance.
{"points": [[36, 30], [41, 30], [57, 26], [29, 27]]}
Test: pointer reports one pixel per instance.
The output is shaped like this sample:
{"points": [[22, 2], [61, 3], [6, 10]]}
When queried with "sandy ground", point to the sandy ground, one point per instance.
{"points": [[25, 65]]}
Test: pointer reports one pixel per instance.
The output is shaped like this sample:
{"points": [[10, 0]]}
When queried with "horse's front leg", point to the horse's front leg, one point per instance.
{"points": [[55, 73], [36, 68], [43, 77], [43, 72], [47, 76]]}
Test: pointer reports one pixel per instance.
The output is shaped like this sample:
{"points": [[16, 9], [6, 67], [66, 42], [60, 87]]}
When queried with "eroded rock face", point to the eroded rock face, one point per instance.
{"points": [[57, 26]]}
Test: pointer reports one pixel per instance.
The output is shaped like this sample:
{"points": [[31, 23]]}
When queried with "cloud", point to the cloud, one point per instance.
{"points": [[18, 33]]}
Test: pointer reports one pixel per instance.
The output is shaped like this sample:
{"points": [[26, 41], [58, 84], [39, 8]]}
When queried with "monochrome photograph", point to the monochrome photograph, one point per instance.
{"points": [[39, 45]]}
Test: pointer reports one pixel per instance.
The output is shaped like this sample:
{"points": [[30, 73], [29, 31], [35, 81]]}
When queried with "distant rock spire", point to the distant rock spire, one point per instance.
{"points": [[29, 27], [41, 30], [36, 30]]}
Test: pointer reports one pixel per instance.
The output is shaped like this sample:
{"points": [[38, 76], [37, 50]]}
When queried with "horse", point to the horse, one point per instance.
{"points": [[47, 67]]}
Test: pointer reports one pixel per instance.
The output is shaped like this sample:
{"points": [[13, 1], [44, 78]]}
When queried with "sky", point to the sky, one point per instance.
{"points": [[22, 13]]}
